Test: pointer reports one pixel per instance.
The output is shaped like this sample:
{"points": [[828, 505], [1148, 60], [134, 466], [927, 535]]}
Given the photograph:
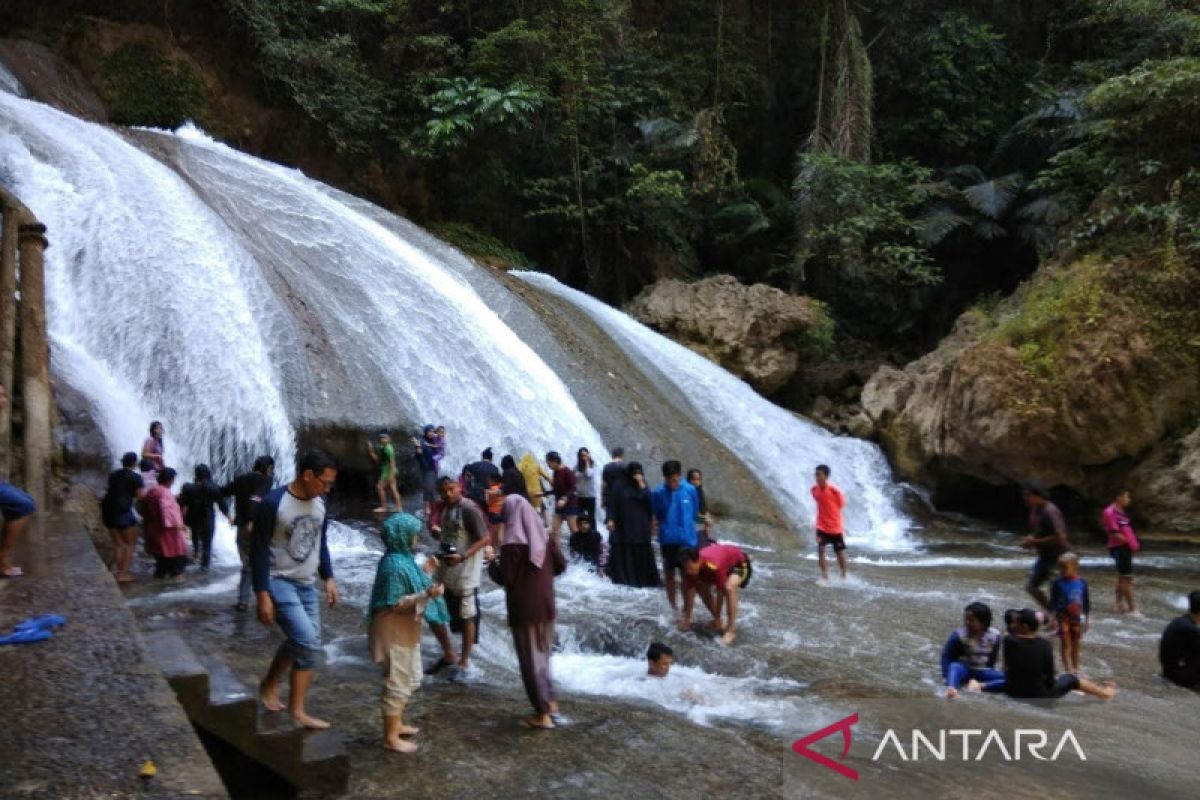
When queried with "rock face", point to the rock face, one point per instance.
{"points": [[1084, 402], [756, 332]]}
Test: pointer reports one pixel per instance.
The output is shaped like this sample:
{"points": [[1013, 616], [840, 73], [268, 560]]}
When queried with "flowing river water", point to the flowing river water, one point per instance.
{"points": [[242, 303]]}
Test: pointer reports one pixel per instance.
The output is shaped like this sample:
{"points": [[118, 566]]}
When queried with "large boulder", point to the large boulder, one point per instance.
{"points": [[758, 332], [1073, 381]]}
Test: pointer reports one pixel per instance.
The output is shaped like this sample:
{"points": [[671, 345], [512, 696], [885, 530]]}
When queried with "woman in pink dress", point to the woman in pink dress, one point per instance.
{"points": [[164, 533]]}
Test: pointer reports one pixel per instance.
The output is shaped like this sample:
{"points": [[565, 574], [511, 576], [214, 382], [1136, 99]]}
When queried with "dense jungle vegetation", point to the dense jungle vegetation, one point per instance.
{"points": [[900, 161]]}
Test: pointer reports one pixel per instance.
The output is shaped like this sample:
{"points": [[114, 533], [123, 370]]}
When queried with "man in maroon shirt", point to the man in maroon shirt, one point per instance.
{"points": [[566, 503], [724, 566]]}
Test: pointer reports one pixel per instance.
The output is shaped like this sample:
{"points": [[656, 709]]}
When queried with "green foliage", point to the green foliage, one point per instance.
{"points": [[952, 98], [143, 87], [860, 220], [459, 106], [480, 245]]}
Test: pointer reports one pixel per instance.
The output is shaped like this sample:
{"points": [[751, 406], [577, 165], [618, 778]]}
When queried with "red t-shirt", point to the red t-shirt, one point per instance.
{"points": [[716, 562], [830, 501]]}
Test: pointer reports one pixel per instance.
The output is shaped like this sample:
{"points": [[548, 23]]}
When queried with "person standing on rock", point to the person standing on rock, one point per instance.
{"points": [[1122, 544], [830, 530], [152, 448], [463, 534], [124, 487], [1048, 537], [585, 483], [164, 527], [529, 560], [197, 499], [289, 549], [428, 451], [630, 525], [477, 477], [610, 477], [383, 455], [247, 491], [401, 595], [703, 521], [566, 498], [675, 504]]}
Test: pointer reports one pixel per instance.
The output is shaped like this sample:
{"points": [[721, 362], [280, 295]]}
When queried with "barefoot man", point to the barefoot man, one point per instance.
{"points": [[289, 550], [723, 567]]}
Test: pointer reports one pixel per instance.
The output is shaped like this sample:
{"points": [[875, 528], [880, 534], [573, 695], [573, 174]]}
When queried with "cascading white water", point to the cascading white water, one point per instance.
{"points": [[146, 312], [781, 447], [249, 300], [9, 83]]}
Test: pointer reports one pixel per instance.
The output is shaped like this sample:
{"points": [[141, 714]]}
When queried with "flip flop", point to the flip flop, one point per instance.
{"points": [[12, 572], [44, 622], [26, 636]]}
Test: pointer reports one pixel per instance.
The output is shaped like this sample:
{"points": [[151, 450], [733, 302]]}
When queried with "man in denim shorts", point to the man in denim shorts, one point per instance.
{"points": [[290, 549]]}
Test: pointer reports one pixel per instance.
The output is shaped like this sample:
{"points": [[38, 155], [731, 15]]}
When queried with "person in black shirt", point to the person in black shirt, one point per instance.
{"points": [[477, 477], [1029, 666], [196, 501], [587, 544], [1179, 648], [124, 488], [247, 490]]}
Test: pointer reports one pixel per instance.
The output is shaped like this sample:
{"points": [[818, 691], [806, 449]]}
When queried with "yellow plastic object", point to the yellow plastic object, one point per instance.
{"points": [[148, 770]]}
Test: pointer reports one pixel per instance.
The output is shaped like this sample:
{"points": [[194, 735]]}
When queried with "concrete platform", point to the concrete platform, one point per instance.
{"points": [[85, 709]]}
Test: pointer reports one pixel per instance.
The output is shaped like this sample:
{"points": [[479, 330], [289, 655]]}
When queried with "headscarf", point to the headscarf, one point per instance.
{"points": [[530, 470], [398, 574], [522, 525], [513, 482]]}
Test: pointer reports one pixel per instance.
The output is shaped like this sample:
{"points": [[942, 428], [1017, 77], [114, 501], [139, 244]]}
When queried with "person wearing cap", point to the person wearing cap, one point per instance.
{"points": [[1048, 537]]}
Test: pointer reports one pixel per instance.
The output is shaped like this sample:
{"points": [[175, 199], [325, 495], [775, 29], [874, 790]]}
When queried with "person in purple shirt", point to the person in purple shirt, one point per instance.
{"points": [[1122, 544]]}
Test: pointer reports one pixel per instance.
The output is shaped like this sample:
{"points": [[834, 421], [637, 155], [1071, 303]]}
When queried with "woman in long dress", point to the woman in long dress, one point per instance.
{"points": [[630, 554]]}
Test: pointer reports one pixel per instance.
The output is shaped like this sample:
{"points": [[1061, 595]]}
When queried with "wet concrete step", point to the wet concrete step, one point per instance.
{"points": [[217, 701]]}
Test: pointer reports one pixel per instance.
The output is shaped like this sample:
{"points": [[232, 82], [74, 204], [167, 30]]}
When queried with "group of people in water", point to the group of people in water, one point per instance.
{"points": [[507, 520]]}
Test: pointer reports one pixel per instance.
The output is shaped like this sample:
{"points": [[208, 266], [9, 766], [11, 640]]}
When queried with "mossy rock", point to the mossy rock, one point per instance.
{"points": [[142, 86]]}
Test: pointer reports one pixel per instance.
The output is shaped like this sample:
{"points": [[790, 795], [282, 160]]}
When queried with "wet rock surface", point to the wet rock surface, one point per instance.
{"points": [[84, 709]]}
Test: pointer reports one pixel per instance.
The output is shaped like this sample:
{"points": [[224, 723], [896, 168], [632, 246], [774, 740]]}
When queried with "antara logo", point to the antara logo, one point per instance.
{"points": [[938, 747]]}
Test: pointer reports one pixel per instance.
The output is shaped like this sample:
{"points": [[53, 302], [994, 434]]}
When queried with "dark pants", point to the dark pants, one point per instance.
{"points": [[587, 507], [533, 643], [202, 540], [169, 566]]}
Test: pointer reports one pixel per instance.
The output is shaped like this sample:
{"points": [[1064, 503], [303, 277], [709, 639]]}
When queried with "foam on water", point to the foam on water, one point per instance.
{"points": [[779, 446]]}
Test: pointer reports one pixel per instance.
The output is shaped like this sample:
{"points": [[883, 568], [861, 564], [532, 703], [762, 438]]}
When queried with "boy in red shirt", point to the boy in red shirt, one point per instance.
{"points": [[722, 565], [830, 502]]}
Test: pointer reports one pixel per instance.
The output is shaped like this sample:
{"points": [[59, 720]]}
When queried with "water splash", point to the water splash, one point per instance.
{"points": [[780, 447]]}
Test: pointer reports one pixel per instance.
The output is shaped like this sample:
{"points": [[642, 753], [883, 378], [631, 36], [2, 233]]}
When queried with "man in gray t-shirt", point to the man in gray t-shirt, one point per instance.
{"points": [[460, 564]]}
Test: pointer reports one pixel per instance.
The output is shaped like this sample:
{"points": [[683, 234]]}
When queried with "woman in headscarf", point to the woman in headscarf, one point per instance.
{"points": [[630, 554], [511, 479], [402, 593], [428, 453], [529, 560]]}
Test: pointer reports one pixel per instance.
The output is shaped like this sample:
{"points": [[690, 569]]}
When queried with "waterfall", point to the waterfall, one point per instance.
{"points": [[237, 301], [782, 448]]}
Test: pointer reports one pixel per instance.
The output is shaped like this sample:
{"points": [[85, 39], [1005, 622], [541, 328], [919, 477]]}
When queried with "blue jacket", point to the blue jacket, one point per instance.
{"points": [[260, 545], [676, 513]]}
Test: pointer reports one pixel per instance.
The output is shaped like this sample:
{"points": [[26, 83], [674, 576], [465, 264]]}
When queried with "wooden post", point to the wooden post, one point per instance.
{"points": [[35, 362], [8, 329]]}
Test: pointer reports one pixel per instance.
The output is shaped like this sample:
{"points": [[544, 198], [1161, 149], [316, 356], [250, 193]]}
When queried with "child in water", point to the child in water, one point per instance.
{"points": [[401, 595], [587, 544], [1071, 605]]}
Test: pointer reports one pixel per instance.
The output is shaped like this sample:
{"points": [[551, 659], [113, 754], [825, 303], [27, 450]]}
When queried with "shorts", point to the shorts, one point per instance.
{"points": [[1123, 557], [14, 503], [1070, 629], [745, 572], [570, 510], [837, 540], [299, 615], [1041, 571], [120, 521], [464, 607], [386, 474], [670, 555]]}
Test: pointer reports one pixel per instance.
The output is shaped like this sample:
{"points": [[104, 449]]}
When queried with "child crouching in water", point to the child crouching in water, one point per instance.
{"points": [[402, 593]]}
